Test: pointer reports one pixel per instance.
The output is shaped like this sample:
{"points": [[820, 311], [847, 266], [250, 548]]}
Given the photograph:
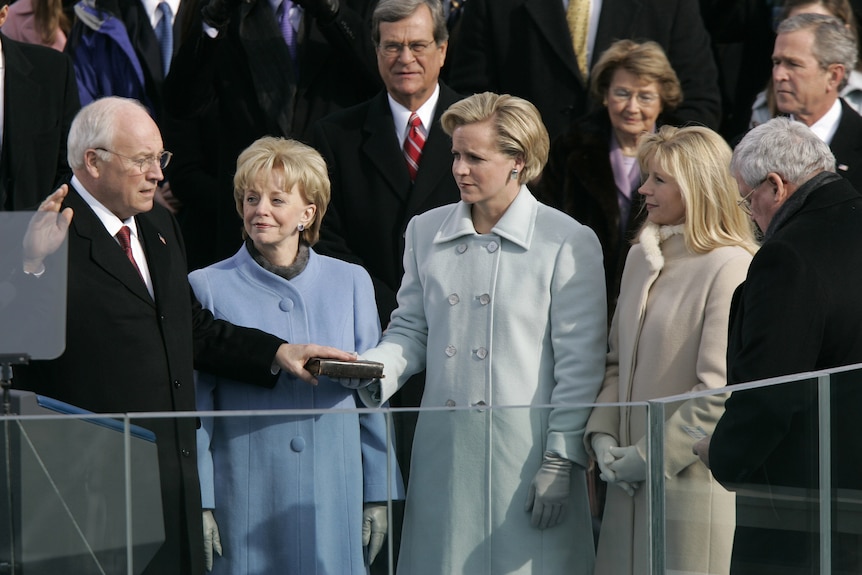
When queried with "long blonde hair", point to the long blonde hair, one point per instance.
{"points": [[698, 160]]}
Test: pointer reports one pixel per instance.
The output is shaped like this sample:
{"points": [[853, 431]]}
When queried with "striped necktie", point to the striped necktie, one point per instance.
{"points": [[413, 144]]}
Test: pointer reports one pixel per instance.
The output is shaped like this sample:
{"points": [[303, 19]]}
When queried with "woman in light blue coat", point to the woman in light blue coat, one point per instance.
{"points": [[290, 493], [503, 302]]}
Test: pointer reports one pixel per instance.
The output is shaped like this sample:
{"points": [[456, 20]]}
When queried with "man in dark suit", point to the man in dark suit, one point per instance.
{"points": [[134, 329], [525, 48], [373, 197], [798, 311], [812, 59], [237, 66], [40, 100]]}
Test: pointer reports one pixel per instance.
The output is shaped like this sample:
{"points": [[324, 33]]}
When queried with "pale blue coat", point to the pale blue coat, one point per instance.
{"points": [[288, 491], [516, 317]]}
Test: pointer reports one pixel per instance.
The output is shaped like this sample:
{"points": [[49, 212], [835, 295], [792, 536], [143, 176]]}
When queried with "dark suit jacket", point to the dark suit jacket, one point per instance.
{"points": [[247, 74], [846, 145], [41, 99], [372, 198], [524, 48], [798, 311], [127, 353], [579, 180]]}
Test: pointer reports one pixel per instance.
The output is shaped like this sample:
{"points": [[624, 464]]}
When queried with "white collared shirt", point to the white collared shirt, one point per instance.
{"points": [[827, 125], [154, 14], [401, 115], [113, 224]]}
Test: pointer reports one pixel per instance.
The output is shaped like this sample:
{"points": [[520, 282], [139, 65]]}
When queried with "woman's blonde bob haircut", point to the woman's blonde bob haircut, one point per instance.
{"points": [[519, 127], [288, 163], [698, 160]]}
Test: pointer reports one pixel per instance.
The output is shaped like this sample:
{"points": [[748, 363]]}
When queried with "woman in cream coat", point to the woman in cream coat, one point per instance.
{"points": [[668, 337], [503, 301]]}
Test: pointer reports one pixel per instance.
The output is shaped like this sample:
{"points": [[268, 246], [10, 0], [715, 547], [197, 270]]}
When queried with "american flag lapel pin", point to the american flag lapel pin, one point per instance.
{"points": [[843, 167]]}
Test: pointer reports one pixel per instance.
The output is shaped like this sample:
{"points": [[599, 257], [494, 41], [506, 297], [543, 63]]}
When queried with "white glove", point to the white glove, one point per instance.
{"points": [[374, 527], [602, 444], [549, 491], [212, 541], [629, 465]]}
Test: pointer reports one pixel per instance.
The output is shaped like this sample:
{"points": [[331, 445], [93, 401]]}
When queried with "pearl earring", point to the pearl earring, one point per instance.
{"points": [[515, 174], [301, 227]]}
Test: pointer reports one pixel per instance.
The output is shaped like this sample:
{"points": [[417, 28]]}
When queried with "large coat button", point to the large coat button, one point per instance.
{"points": [[461, 248], [481, 353], [285, 305], [492, 247], [297, 444], [453, 299], [450, 403], [484, 299], [450, 350]]}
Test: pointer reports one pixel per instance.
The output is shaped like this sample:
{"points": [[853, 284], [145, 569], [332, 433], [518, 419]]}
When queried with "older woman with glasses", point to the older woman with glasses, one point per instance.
{"points": [[592, 172], [668, 337]]}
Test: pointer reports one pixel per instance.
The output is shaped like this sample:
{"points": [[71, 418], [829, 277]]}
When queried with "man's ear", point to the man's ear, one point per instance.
{"points": [[781, 188], [836, 75], [4, 13]]}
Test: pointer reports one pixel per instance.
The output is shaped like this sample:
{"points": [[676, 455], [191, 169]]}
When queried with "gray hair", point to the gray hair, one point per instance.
{"points": [[396, 10], [788, 148], [95, 126], [834, 42]]}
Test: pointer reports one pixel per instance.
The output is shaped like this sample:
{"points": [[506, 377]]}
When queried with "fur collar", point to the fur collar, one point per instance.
{"points": [[651, 237]]}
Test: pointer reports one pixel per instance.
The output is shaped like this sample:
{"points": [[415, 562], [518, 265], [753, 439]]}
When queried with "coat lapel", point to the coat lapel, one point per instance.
{"points": [[550, 18], [104, 250], [381, 147], [158, 255], [617, 21]]}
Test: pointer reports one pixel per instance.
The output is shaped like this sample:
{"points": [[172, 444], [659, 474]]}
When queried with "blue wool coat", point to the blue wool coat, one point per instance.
{"points": [[288, 490]]}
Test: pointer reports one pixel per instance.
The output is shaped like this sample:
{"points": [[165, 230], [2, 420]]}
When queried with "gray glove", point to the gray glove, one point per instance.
{"points": [[549, 491], [602, 444], [374, 527], [629, 465], [323, 10], [212, 541]]}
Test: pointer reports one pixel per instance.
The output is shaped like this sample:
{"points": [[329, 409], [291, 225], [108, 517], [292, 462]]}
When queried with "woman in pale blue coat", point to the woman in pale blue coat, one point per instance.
{"points": [[503, 302], [290, 493]]}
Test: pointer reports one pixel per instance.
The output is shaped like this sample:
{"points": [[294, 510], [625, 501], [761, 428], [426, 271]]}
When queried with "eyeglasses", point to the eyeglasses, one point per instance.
{"points": [[745, 202], [416, 48], [162, 159], [644, 98]]}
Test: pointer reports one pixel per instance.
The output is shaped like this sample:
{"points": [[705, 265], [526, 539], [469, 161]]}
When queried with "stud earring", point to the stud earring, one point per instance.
{"points": [[301, 227], [515, 174]]}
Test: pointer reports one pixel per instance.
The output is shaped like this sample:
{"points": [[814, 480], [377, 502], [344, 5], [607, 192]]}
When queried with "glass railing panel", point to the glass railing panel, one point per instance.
{"points": [[78, 494]]}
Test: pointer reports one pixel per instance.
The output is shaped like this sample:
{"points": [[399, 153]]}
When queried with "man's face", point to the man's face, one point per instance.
{"points": [[802, 87], [410, 77], [118, 182]]}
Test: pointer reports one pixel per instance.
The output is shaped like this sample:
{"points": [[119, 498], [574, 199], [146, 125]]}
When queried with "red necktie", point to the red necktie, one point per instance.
{"points": [[413, 144], [124, 237]]}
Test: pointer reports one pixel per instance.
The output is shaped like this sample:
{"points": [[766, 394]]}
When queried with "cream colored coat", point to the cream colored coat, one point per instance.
{"points": [[515, 317], [669, 337]]}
